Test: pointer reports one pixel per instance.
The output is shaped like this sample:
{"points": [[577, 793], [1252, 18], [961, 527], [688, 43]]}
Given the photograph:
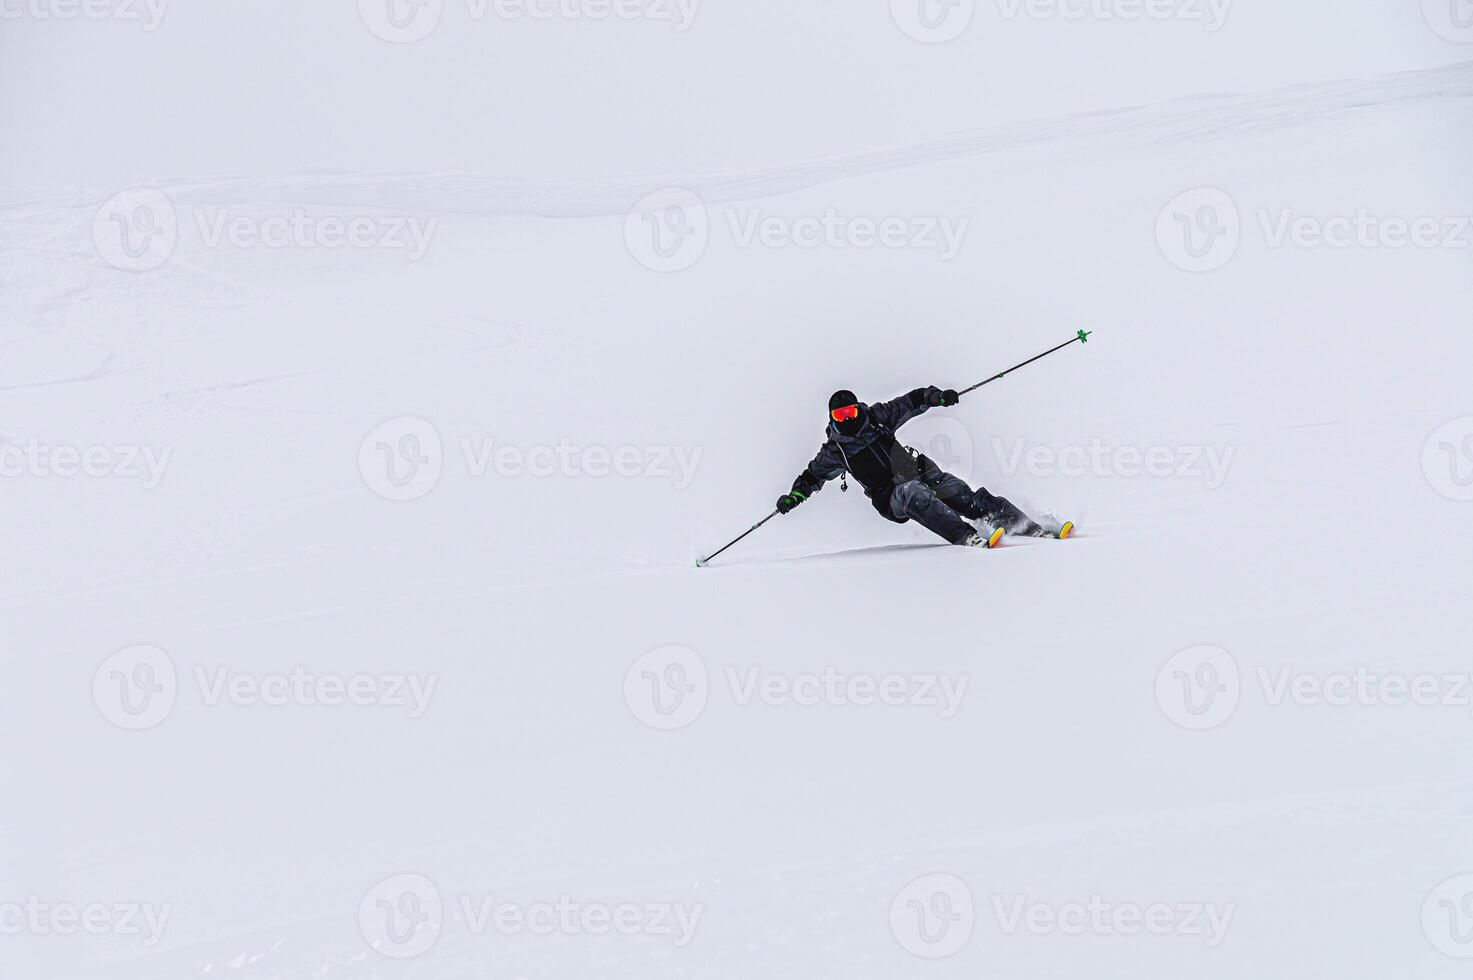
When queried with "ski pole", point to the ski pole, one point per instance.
{"points": [[1082, 336], [701, 562]]}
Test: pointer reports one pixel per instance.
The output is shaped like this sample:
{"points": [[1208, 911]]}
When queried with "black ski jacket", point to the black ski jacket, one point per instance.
{"points": [[873, 456]]}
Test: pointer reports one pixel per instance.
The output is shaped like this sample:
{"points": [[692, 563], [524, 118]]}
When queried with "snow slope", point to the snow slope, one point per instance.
{"points": [[1304, 409]]}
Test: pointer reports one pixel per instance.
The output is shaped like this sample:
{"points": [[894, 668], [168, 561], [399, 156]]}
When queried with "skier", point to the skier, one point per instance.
{"points": [[900, 482]]}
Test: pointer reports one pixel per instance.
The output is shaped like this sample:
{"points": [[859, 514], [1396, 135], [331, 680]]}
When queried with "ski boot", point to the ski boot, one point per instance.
{"points": [[989, 540], [1033, 529]]}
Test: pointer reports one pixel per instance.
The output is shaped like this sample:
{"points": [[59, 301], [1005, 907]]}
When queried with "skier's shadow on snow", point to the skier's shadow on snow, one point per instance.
{"points": [[879, 549]]}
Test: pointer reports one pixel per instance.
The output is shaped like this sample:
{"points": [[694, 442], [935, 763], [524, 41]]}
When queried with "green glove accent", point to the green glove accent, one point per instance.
{"points": [[788, 501]]}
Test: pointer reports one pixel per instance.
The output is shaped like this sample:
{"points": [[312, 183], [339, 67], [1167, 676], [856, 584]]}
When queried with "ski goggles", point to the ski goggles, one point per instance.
{"points": [[845, 413]]}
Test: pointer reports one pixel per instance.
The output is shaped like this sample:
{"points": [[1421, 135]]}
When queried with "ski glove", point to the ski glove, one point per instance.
{"points": [[788, 501], [947, 398]]}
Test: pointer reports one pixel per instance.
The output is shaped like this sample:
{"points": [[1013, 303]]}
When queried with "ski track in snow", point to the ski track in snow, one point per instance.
{"points": [[1201, 118]]}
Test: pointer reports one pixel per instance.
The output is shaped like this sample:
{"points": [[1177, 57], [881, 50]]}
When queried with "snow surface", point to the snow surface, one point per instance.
{"points": [[1303, 531]]}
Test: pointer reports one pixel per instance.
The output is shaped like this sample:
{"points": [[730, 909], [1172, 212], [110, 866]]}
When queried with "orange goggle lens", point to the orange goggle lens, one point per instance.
{"points": [[845, 413]]}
